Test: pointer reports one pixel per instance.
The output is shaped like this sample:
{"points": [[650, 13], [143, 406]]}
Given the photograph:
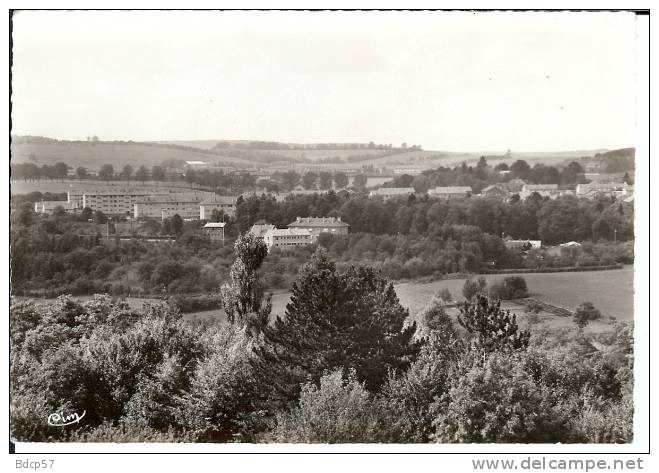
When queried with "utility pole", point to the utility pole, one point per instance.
{"points": [[615, 235]]}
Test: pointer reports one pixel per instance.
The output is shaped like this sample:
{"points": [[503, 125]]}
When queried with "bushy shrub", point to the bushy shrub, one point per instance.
{"points": [[473, 287], [155, 401], [417, 267], [497, 291], [585, 313], [152, 377], [586, 259], [274, 280], [607, 260], [223, 398], [512, 287], [23, 316], [491, 328], [611, 423], [445, 295], [407, 398], [516, 286], [433, 317], [495, 401], [334, 411], [130, 432], [533, 307], [127, 362], [393, 269], [51, 372], [187, 304]]}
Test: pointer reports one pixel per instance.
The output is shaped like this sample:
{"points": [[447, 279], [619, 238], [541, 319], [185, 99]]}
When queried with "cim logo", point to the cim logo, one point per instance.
{"points": [[59, 419]]}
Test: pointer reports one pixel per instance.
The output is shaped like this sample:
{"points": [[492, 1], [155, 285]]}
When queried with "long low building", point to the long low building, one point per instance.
{"points": [[450, 192], [112, 201], [187, 206], [392, 192], [49, 206], [121, 200], [287, 238], [544, 190], [152, 202], [109, 201], [523, 244], [592, 190]]}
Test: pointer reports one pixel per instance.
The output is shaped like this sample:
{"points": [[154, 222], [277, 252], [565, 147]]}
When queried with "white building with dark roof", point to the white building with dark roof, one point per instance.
{"points": [[196, 164], [215, 231], [409, 171], [495, 191], [450, 192], [317, 225], [260, 229], [287, 238], [523, 244], [49, 206], [392, 192]]}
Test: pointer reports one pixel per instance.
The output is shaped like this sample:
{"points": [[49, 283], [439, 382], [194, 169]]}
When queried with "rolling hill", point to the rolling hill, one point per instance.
{"points": [[93, 156], [247, 155]]}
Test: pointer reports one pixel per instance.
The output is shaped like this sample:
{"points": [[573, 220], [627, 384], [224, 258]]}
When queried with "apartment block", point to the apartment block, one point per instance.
{"points": [[226, 204], [187, 206]]}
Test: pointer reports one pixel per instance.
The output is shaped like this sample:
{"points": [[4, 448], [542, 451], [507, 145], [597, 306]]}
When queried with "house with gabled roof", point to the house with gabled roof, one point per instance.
{"points": [[317, 225]]}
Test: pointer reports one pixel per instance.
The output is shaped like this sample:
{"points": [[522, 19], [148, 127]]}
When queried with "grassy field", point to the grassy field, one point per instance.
{"points": [[612, 292], [201, 144], [24, 187], [94, 156], [291, 153], [326, 153], [411, 158]]}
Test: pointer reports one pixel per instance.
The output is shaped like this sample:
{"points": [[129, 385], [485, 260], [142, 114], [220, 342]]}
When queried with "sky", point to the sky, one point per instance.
{"points": [[445, 80]]}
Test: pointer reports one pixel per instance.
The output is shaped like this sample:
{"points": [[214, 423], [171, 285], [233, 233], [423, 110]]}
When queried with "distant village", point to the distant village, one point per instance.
{"points": [[126, 203]]}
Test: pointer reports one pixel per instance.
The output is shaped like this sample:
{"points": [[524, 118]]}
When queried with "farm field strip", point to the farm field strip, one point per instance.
{"points": [[611, 291], [94, 156], [25, 187]]}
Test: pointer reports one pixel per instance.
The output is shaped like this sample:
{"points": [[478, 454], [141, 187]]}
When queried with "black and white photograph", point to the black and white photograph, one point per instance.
{"points": [[329, 231]]}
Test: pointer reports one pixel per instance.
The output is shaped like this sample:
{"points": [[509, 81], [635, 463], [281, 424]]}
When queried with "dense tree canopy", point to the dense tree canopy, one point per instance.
{"points": [[146, 375], [351, 320]]}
